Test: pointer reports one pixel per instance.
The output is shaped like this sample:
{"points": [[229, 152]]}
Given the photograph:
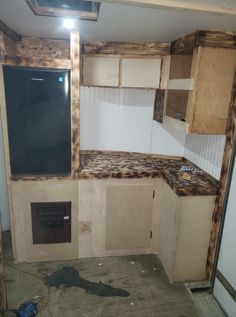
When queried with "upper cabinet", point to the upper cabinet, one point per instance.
{"points": [[101, 71], [199, 88], [121, 72], [140, 72]]}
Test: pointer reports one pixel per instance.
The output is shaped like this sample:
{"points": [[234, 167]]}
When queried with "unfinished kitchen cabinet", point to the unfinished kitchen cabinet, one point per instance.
{"points": [[118, 216], [100, 71], [204, 105], [185, 224], [140, 72], [128, 216]]}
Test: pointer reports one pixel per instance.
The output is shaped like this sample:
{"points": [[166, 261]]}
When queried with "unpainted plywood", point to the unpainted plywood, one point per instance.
{"points": [[176, 105], [180, 66], [193, 237], [184, 233], [93, 211], [128, 216], [213, 91], [101, 71], [23, 194], [140, 72]]}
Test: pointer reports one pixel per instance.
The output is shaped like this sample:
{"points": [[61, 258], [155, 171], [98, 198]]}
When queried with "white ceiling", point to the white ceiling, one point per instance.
{"points": [[116, 23]]}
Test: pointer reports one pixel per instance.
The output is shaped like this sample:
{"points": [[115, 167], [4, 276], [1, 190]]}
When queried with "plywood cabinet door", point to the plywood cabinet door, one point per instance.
{"points": [[208, 103], [128, 216], [100, 71], [140, 73]]}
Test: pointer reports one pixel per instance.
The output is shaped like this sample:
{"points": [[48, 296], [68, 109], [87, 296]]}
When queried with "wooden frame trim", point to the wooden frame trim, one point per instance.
{"points": [[35, 62], [184, 5], [203, 38], [3, 118], [75, 84], [224, 182], [124, 48], [9, 32]]}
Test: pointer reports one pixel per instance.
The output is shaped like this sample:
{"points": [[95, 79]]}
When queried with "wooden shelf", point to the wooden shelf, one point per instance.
{"points": [[180, 84]]}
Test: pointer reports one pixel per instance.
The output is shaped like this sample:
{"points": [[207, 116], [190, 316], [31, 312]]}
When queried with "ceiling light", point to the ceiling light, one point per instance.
{"points": [[69, 23]]}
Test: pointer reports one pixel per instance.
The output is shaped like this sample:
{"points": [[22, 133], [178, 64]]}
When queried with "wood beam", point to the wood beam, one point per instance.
{"points": [[123, 48], [186, 43], [35, 62], [75, 83], [216, 38], [220, 203], [9, 32], [183, 5]]}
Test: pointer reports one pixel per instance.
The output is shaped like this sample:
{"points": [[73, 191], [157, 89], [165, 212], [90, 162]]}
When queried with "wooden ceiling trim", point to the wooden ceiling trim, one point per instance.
{"points": [[185, 44], [125, 48], [216, 38], [35, 62], [43, 48]]}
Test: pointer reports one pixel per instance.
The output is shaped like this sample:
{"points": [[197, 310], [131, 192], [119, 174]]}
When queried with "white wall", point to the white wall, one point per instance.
{"points": [[121, 120], [3, 188], [206, 151], [227, 259]]}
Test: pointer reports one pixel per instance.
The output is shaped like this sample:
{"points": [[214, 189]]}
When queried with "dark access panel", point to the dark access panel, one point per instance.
{"points": [[51, 222], [38, 117]]}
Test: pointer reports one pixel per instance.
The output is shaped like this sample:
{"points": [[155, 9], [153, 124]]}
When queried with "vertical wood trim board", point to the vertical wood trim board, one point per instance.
{"points": [[75, 103], [224, 181], [206, 151], [3, 117], [2, 284]]}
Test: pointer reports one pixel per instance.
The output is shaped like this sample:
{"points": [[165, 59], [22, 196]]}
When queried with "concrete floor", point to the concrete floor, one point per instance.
{"points": [[141, 276]]}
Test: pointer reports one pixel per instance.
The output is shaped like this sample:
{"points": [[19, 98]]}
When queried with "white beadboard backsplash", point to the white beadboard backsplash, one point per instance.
{"points": [[122, 120], [206, 151]]}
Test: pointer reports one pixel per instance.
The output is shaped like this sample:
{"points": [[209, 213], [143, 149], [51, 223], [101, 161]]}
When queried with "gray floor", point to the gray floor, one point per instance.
{"points": [[142, 276]]}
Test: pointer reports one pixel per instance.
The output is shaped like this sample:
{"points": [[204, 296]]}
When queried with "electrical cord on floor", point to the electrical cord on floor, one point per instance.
{"points": [[45, 306]]}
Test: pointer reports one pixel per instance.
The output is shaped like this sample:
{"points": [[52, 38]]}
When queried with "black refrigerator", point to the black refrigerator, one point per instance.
{"points": [[38, 118]]}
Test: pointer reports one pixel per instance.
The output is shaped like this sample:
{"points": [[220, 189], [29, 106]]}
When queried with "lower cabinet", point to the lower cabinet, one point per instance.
{"points": [[128, 216], [184, 233], [118, 217]]}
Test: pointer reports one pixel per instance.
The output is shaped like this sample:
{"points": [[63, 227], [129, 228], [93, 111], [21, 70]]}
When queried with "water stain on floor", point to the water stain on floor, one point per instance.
{"points": [[69, 276]]}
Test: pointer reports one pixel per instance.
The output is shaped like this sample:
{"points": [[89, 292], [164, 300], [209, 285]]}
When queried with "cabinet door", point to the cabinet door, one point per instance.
{"points": [[140, 73], [101, 71], [208, 104], [128, 216]]}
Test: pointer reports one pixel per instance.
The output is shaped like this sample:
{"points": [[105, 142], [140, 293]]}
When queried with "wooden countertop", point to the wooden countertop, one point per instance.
{"points": [[109, 164]]}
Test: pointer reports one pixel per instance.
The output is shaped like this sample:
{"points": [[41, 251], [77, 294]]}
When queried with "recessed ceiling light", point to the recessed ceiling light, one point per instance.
{"points": [[69, 23]]}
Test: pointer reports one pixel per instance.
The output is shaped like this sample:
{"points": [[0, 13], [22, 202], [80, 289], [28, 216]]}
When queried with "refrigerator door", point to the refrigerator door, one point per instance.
{"points": [[38, 117], [225, 281]]}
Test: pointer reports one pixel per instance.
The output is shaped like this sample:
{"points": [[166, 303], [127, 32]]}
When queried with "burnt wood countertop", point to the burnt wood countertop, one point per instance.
{"points": [[109, 164]]}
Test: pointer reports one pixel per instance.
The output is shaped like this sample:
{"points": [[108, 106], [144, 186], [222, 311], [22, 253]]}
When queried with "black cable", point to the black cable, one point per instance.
{"points": [[45, 306]]}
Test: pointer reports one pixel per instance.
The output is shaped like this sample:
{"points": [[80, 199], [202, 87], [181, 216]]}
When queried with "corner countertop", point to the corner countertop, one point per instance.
{"points": [[109, 164]]}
